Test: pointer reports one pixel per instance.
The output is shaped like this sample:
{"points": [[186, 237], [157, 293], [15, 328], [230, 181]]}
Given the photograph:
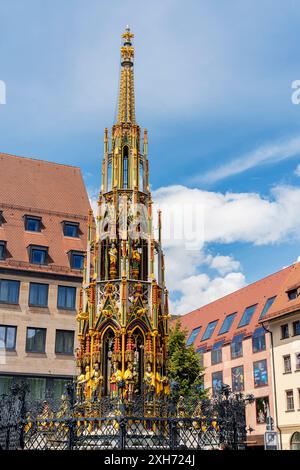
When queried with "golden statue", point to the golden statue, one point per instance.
{"points": [[149, 381], [96, 382], [115, 379]]}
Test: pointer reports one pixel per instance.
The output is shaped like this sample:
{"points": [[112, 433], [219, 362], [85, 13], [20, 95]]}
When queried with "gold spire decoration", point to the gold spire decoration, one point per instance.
{"points": [[126, 107]]}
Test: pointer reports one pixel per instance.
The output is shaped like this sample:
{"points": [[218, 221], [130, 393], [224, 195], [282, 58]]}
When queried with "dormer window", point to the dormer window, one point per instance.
{"points": [[32, 223], [38, 254], [292, 294], [2, 249], [76, 259], [71, 229]]}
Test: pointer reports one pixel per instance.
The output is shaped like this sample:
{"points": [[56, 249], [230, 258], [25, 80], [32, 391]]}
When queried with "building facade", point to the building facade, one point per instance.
{"points": [[283, 322], [43, 230], [234, 347]]}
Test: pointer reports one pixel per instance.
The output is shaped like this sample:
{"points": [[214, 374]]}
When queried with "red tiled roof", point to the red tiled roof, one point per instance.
{"points": [[49, 190], [282, 304], [257, 293]]}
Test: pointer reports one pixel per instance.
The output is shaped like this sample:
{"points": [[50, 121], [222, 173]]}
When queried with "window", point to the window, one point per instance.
{"points": [[38, 295], [9, 291], [200, 352], [237, 377], [296, 328], [71, 229], [36, 340], [8, 337], [66, 298], [109, 176], [259, 340], [227, 323], [125, 167], [298, 361], [33, 224], [209, 330], [287, 366], [216, 353], [236, 346], [290, 400], [260, 372], [262, 409], [77, 260], [295, 441], [2, 249], [1, 218], [38, 255], [193, 336], [246, 318], [285, 331], [292, 294], [141, 176], [64, 343], [267, 306], [217, 382]]}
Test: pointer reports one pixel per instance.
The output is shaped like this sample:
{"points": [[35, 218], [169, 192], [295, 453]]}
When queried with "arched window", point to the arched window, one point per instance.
{"points": [[141, 176], [107, 366], [125, 167], [109, 176], [295, 441]]}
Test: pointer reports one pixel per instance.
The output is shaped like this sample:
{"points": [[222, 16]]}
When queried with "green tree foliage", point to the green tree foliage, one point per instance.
{"points": [[184, 365]]}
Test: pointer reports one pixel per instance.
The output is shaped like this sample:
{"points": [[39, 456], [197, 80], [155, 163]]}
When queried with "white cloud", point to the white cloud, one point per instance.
{"points": [[235, 217], [297, 171], [223, 264], [201, 289], [260, 156]]}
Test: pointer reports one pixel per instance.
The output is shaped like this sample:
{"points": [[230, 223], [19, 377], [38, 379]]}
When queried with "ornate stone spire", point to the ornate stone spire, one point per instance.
{"points": [[126, 108]]}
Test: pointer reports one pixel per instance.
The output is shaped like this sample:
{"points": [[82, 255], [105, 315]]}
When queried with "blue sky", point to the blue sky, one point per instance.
{"points": [[213, 87]]}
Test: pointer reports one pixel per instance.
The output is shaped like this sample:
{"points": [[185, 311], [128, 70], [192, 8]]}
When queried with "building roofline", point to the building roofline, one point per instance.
{"points": [[39, 160], [234, 292]]}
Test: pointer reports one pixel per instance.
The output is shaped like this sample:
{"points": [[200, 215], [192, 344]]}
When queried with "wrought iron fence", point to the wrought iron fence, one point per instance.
{"points": [[181, 423]]}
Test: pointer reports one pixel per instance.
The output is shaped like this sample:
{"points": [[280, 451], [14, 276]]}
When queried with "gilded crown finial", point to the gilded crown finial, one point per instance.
{"points": [[127, 36]]}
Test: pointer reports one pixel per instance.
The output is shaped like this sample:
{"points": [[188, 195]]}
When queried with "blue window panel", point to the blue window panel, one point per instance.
{"points": [[227, 323], [36, 340], [64, 342], [109, 176], [200, 352], [38, 256], [9, 291], [32, 224], [2, 250], [237, 378], [38, 295], [260, 372], [248, 313], [66, 297], [209, 330], [217, 382], [8, 337], [236, 346], [259, 340], [296, 328], [77, 261], [71, 230], [267, 306], [216, 353], [193, 336]]}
